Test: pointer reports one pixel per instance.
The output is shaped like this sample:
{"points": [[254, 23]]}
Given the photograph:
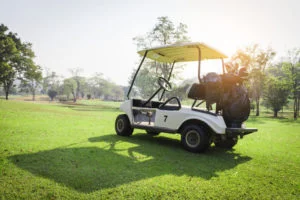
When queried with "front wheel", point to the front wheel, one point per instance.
{"points": [[122, 126], [194, 139]]}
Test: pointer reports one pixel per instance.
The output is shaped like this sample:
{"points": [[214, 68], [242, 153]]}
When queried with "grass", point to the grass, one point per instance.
{"points": [[71, 151]]}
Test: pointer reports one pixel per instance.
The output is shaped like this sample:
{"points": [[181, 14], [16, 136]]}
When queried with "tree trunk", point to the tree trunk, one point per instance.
{"points": [[275, 113], [6, 89], [298, 106], [33, 96], [257, 106], [295, 108], [78, 89], [6, 95], [74, 97], [7, 85]]}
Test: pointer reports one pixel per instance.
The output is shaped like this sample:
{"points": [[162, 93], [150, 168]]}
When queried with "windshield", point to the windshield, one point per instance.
{"points": [[182, 77], [146, 82]]}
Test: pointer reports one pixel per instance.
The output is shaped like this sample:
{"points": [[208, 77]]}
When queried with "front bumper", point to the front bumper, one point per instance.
{"points": [[234, 132]]}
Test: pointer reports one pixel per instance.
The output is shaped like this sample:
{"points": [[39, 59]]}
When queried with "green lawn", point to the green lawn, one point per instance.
{"points": [[63, 151]]}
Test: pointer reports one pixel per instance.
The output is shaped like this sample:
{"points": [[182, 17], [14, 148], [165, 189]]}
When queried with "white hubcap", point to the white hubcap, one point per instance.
{"points": [[120, 125], [192, 138]]}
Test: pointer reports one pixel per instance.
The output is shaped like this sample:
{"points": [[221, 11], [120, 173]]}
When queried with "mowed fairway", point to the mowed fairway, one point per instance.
{"points": [[61, 151]]}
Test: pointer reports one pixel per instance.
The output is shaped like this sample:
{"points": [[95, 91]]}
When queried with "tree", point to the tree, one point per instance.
{"points": [[15, 58], [180, 90], [8, 51], [277, 88], [70, 86], [117, 93], [79, 82], [103, 88], [51, 81], [145, 83], [96, 85], [32, 79], [8, 76], [52, 94], [255, 59], [292, 69], [164, 32]]}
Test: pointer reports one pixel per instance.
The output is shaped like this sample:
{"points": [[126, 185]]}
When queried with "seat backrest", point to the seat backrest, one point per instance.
{"points": [[197, 92]]}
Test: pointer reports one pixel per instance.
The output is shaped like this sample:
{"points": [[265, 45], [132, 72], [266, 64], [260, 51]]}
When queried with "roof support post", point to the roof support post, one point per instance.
{"points": [[137, 71], [199, 64], [223, 66], [171, 71]]}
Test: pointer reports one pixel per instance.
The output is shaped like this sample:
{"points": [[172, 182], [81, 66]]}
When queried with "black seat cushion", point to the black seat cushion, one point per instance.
{"points": [[197, 91]]}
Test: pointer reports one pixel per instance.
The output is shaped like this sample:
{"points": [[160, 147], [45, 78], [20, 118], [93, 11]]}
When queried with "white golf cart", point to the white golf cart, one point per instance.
{"points": [[199, 127]]}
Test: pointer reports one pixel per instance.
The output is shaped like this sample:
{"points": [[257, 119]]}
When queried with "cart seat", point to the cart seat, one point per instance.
{"points": [[197, 92]]}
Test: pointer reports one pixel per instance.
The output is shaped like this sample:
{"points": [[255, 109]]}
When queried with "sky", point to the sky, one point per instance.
{"points": [[96, 35]]}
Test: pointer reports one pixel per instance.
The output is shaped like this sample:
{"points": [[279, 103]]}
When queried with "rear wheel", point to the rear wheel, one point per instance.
{"points": [[194, 139], [122, 125]]}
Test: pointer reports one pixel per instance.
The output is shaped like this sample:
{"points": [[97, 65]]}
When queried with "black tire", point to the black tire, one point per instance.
{"points": [[122, 126], [226, 144], [194, 139], [153, 133]]}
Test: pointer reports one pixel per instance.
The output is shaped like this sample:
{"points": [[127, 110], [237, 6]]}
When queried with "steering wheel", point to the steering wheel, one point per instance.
{"points": [[162, 82], [164, 107]]}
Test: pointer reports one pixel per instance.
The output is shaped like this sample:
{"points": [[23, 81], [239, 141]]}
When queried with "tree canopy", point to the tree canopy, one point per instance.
{"points": [[16, 60], [164, 32], [292, 70], [277, 88], [255, 59]]}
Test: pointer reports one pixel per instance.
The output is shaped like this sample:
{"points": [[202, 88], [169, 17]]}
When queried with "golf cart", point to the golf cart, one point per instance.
{"points": [[199, 127]]}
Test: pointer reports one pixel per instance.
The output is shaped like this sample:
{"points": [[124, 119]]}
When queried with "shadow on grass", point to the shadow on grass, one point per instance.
{"points": [[124, 160]]}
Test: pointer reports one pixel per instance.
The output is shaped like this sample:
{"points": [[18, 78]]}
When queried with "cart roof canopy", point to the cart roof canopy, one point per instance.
{"points": [[182, 52]]}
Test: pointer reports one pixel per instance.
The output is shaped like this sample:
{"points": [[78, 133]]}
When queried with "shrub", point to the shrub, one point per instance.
{"points": [[52, 94], [62, 98]]}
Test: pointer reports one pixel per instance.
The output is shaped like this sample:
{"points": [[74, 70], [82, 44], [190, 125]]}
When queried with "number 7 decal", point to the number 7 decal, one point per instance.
{"points": [[166, 117]]}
